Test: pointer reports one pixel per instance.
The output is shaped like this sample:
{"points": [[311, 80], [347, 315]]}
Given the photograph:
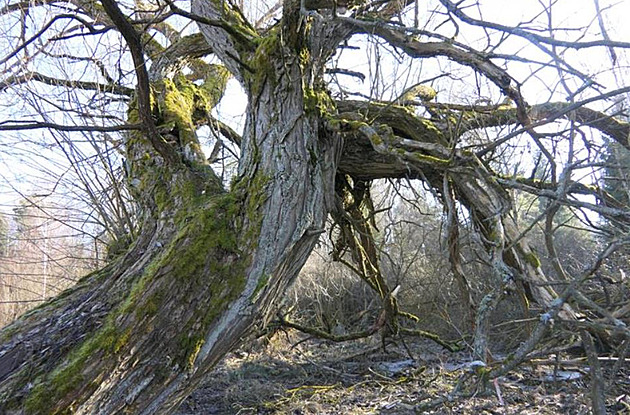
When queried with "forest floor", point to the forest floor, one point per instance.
{"points": [[319, 377]]}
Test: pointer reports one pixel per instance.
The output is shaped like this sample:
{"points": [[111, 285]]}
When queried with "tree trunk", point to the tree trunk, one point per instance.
{"points": [[139, 335]]}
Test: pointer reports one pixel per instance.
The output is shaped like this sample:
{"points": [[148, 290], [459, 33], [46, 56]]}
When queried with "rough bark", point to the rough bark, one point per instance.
{"points": [[418, 148], [139, 335]]}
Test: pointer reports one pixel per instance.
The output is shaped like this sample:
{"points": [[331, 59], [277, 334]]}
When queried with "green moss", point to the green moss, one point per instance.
{"points": [[211, 243], [262, 283], [121, 341], [533, 260], [262, 62], [150, 306], [181, 104], [118, 246], [207, 230], [197, 251], [376, 139], [178, 106], [431, 127], [69, 376], [354, 124], [7, 332], [213, 87], [318, 101], [193, 336], [252, 194], [193, 355], [305, 57], [205, 260], [436, 161], [238, 26]]}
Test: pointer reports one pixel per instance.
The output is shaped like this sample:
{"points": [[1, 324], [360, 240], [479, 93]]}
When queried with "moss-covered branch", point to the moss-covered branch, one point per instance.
{"points": [[143, 92]]}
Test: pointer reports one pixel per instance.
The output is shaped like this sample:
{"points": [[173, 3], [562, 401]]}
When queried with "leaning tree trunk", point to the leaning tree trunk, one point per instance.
{"points": [[208, 265]]}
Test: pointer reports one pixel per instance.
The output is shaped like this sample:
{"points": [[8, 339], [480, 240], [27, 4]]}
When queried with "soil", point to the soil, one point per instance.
{"points": [[293, 376]]}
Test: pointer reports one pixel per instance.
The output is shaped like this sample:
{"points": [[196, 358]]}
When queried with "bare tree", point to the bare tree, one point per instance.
{"points": [[208, 264], [41, 256]]}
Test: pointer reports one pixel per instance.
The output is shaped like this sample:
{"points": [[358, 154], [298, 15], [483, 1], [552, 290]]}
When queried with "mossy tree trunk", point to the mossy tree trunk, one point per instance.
{"points": [[209, 263]]}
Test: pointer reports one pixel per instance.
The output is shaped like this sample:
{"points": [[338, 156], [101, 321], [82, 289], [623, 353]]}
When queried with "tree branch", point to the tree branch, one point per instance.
{"points": [[42, 31], [227, 32], [45, 79], [542, 114], [192, 46], [8, 126], [532, 37], [24, 5], [475, 60], [143, 89]]}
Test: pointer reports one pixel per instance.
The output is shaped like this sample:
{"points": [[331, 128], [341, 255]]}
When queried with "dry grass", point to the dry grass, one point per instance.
{"points": [[317, 377]]}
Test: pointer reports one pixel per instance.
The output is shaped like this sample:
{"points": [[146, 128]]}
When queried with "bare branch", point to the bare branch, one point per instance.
{"points": [[10, 125], [68, 83], [24, 5], [532, 37], [42, 31]]}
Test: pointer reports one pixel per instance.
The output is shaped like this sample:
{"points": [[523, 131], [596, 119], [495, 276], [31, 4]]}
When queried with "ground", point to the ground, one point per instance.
{"points": [[292, 376]]}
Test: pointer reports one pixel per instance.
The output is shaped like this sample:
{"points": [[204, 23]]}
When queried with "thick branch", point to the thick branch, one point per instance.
{"points": [[361, 159], [619, 214], [143, 89], [543, 114], [227, 32], [476, 60], [192, 46], [615, 129], [24, 5]]}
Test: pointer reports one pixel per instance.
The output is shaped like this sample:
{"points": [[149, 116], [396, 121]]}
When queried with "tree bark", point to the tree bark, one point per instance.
{"points": [[209, 264]]}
